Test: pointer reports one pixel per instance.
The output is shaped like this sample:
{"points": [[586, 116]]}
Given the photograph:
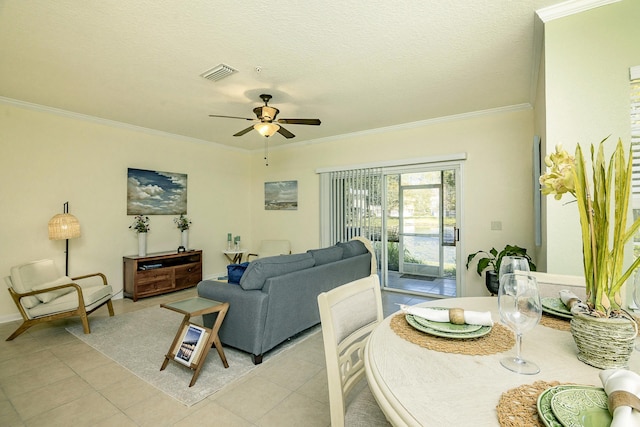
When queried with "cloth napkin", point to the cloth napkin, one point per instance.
{"points": [[470, 317], [571, 301], [622, 380]]}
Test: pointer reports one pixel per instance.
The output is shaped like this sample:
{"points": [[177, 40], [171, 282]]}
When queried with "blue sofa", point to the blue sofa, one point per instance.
{"points": [[277, 296]]}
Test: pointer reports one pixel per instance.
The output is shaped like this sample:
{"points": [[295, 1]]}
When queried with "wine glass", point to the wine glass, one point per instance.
{"points": [[511, 264], [520, 309]]}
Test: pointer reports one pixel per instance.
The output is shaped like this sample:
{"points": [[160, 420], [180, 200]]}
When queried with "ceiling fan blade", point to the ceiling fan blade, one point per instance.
{"points": [[314, 122], [282, 131], [230, 117], [242, 132]]}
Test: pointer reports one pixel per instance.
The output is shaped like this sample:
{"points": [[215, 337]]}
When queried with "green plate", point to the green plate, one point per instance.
{"points": [[544, 404], [581, 407], [484, 330], [446, 326], [556, 307]]}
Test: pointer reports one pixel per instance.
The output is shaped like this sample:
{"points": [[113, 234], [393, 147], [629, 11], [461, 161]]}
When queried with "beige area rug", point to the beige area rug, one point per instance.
{"points": [[139, 340]]}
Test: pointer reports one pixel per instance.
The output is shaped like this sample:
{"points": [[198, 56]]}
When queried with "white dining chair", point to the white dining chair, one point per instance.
{"points": [[348, 314]]}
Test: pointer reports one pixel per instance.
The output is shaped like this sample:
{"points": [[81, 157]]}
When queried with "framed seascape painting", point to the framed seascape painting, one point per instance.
{"points": [[156, 193], [281, 196]]}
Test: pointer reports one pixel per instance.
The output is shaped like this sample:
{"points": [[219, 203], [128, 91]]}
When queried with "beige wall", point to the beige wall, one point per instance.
{"points": [[497, 180], [48, 159], [587, 98]]}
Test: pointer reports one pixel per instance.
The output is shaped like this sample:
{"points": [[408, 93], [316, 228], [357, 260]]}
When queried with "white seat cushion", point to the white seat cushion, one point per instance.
{"points": [[93, 296]]}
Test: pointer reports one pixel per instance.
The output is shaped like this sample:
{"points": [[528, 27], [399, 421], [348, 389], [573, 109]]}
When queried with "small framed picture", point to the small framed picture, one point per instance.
{"points": [[189, 347]]}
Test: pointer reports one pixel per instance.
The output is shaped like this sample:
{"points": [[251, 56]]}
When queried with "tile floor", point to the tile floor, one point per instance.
{"points": [[50, 378]]}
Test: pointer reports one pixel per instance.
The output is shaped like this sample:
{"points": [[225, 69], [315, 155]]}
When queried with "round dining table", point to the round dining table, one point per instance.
{"points": [[415, 386]]}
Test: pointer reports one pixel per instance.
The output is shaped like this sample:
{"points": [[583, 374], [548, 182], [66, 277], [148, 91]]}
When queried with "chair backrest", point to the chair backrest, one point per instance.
{"points": [[25, 276], [551, 284], [348, 314], [274, 247]]}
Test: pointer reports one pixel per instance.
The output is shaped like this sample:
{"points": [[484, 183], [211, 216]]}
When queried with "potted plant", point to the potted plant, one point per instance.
{"points": [[492, 259], [141, 226], [183, 224], [604, 236]]}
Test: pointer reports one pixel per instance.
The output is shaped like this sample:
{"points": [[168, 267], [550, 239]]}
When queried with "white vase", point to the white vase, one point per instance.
{"points": [[185, 239], [142, 244]]}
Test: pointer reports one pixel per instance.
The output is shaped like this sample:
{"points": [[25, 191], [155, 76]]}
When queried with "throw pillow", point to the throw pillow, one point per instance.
{"points": [[326, 255], [235, 272], [50, 296], [352, 248], [264, 268]]}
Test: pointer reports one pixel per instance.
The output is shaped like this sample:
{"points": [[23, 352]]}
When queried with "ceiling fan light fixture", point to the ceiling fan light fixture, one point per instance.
{"points": [[266, 129]]}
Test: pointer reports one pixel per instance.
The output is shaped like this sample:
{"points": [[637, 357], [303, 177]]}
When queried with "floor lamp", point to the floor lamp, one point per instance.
{"points": [[64, 226]]}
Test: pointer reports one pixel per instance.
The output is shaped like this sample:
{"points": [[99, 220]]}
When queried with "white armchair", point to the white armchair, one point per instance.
{"points": [[42, 294]]}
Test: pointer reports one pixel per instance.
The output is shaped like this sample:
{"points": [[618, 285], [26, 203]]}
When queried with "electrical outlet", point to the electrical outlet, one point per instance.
{"points": [[496, 225]]}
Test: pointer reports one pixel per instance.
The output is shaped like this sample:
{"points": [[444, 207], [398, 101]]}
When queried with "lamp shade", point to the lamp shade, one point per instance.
{"points": [[64, 226], [266, 129]]}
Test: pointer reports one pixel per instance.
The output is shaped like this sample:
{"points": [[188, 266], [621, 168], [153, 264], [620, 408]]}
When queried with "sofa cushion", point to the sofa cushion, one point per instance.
{"points": [[352, 248], [235, 272], [326, 255], [46, 297], [264, 268]]}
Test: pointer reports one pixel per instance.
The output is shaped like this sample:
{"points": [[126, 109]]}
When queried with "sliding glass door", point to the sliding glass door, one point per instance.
{"points": [[410, 214], [421, 225]]}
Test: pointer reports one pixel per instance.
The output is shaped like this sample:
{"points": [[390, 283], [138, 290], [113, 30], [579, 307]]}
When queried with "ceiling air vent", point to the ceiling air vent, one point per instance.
{"points": [[218, 73]]}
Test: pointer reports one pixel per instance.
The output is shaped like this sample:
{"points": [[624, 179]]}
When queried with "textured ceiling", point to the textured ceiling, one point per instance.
{"points": [[356, 65]]}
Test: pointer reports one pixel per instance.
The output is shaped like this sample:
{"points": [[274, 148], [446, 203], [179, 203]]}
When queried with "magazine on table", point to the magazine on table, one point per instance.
{"points": [[190, 345]]}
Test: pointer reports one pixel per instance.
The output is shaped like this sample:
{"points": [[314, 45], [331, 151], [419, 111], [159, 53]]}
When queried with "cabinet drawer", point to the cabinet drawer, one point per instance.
{"points": [[188, 275], [154, 281]]}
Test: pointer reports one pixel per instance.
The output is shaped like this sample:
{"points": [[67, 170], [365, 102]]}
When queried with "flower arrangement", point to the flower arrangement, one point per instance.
{"points": [[603, 237], [140, 224], [182, 222]]}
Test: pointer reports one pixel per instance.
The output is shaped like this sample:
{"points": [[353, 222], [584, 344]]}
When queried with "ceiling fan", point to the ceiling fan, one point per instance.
{"points": [[267, 124]]}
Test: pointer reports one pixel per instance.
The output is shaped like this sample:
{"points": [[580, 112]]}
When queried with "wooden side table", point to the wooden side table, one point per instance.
{"points": [[234, 257], [195, 307]]}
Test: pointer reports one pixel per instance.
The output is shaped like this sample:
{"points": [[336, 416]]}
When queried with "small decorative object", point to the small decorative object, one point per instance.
{"points": [[181, 249], [493, 260], [183, 224], [141, 226], [229, 244], [604, 333], [236, 242]]}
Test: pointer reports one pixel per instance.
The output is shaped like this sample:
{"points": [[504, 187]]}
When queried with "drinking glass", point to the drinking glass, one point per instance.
{"points": [[511, 264], [520, 309]]}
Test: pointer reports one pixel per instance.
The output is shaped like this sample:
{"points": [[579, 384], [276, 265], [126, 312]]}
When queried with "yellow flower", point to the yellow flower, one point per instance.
{"points": [[560, 177]]}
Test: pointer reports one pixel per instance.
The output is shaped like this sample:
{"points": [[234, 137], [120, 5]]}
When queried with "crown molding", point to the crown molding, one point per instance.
{"points": [[570, 7], [410, 125], [106, 122]]}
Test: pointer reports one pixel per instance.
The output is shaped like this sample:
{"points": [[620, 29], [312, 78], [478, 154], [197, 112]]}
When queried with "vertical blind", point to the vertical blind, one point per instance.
{"points": [[634, 73], [355, 204]]}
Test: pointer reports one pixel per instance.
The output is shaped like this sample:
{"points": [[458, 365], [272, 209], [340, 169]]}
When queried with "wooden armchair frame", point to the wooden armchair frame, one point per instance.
{"points": [[81, 310]]}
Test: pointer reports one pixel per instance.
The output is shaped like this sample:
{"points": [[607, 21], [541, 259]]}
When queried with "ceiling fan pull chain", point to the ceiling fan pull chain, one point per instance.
{"points": [[266, 152]]}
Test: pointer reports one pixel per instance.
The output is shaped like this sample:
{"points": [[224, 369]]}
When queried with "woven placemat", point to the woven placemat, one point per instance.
{"points": [[498, 340], [518, 407], [555, 322]]}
